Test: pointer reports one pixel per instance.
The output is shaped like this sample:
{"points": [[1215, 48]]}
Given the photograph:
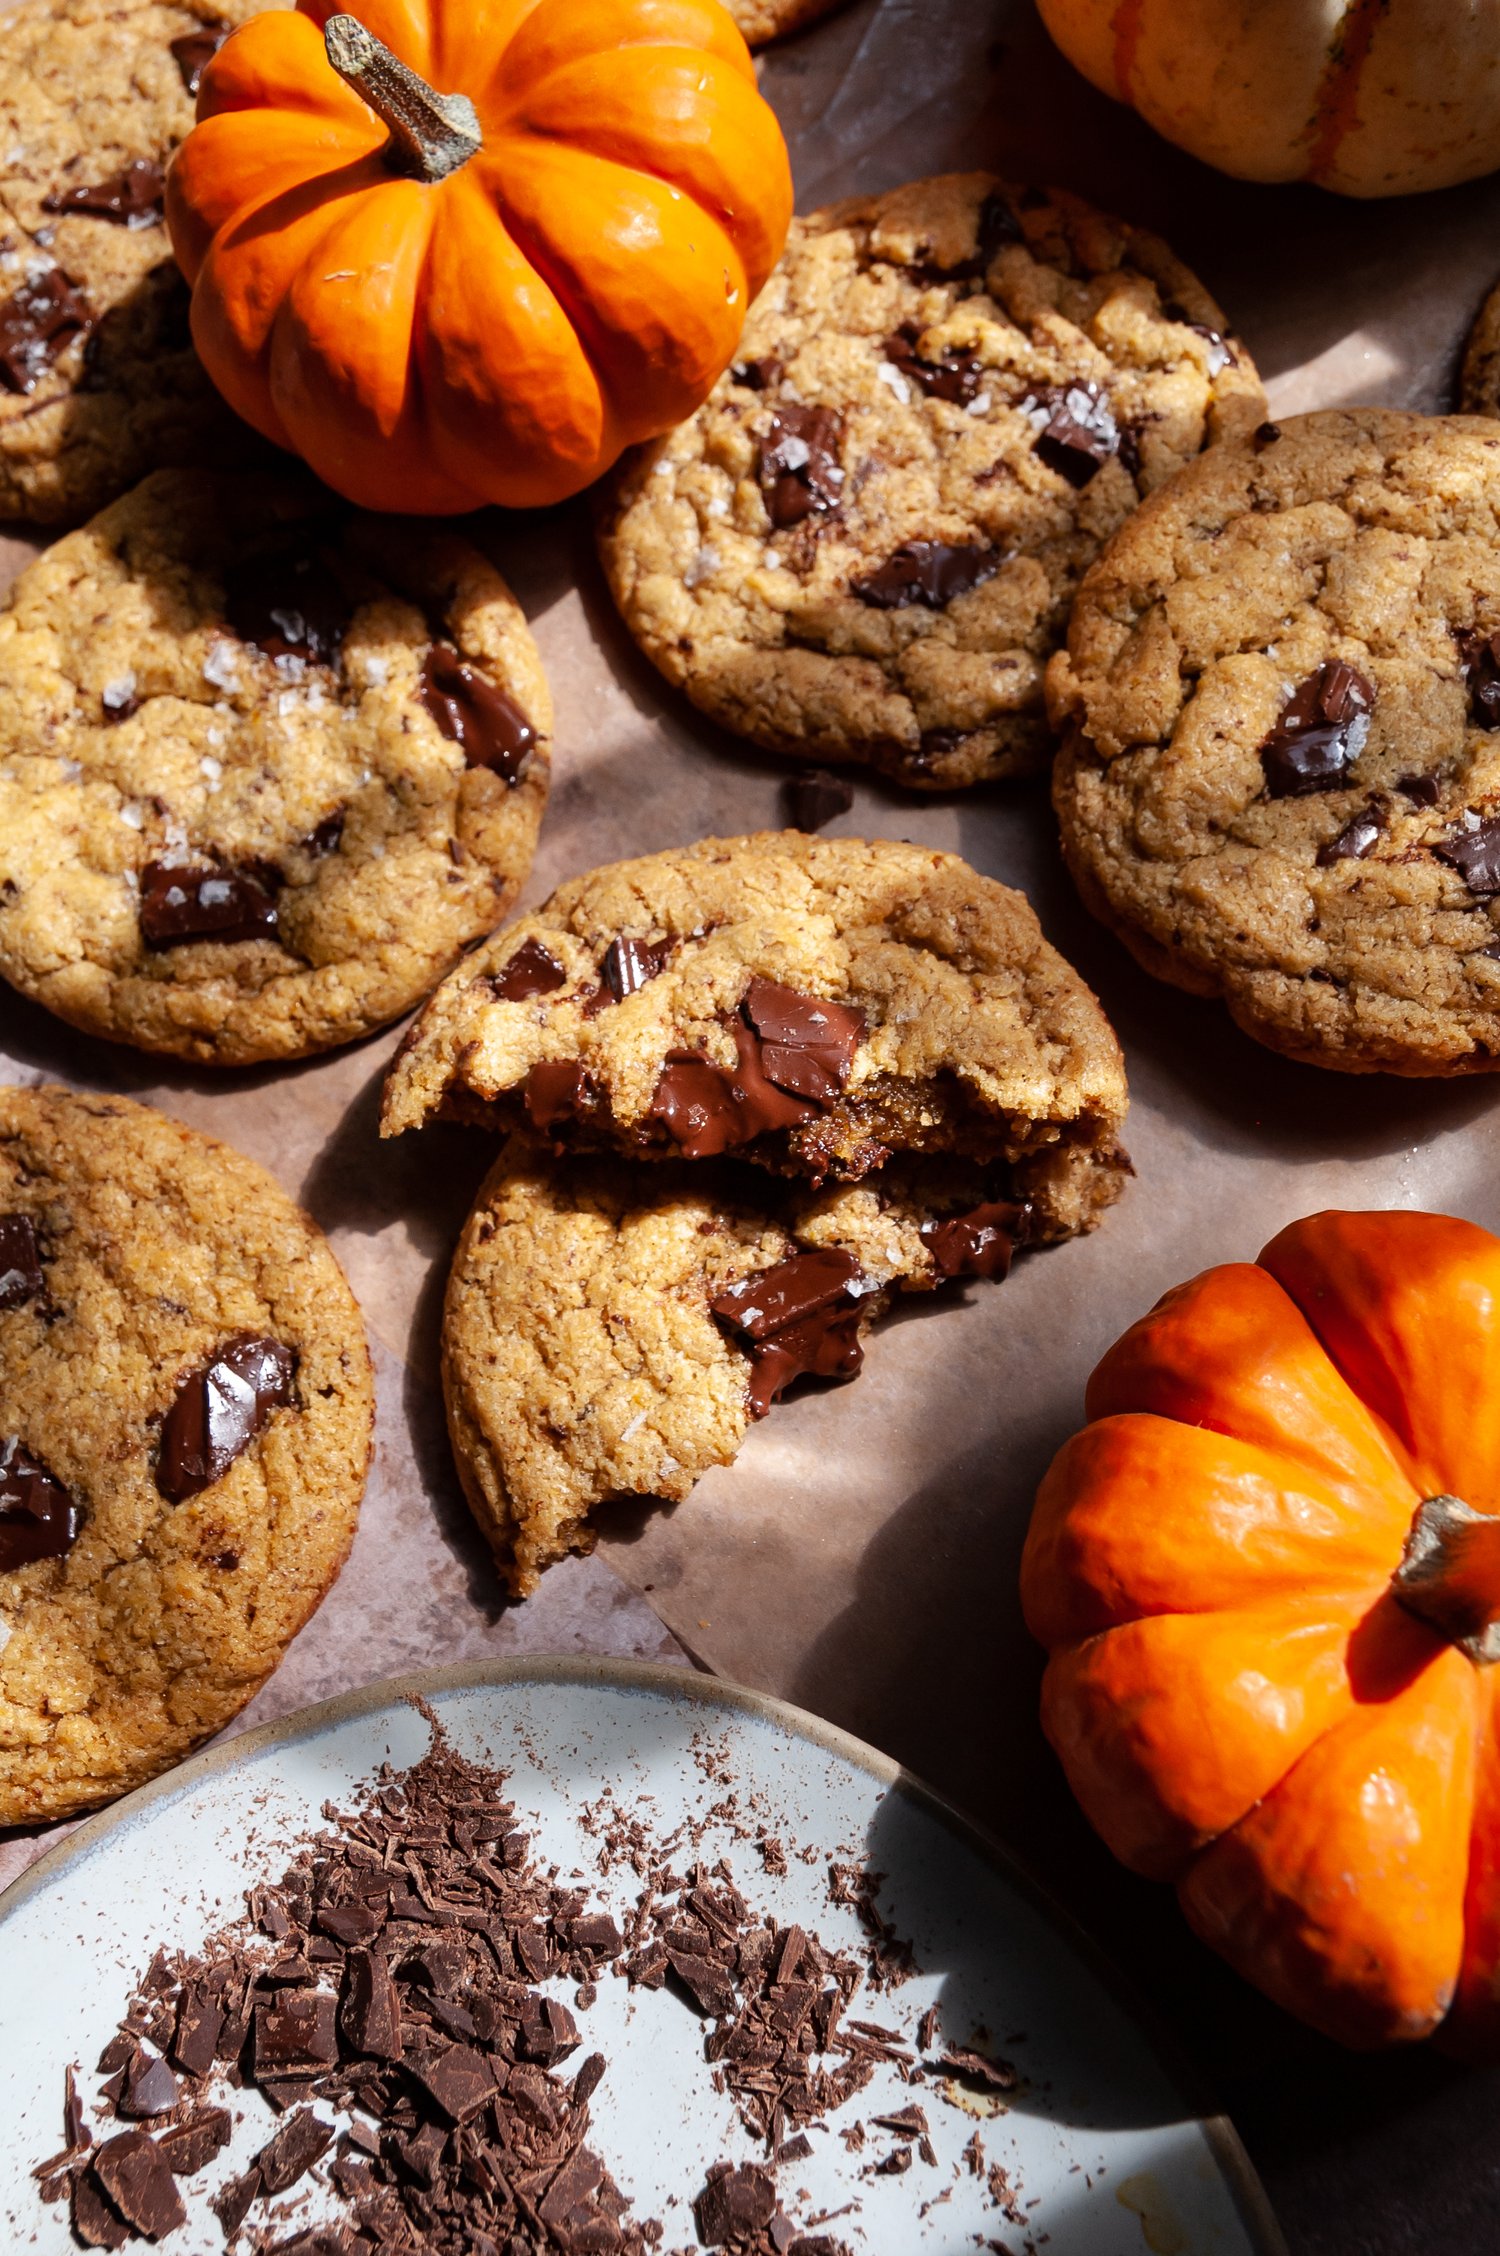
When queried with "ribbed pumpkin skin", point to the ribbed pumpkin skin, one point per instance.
{"points": [[1367, 97], [1240, 1702], [502, 334]]}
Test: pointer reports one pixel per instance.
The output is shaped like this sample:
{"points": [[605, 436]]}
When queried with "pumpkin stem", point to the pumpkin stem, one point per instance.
{"points": [[431, 134], [1450, 1574]]}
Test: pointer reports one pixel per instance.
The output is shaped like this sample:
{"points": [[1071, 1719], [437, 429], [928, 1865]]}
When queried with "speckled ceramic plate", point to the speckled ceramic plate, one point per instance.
{"points": [[1102, 2145]]}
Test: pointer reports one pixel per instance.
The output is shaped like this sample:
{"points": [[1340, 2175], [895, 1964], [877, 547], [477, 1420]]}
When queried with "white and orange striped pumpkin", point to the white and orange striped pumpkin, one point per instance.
{"points": [[1368, 97]]}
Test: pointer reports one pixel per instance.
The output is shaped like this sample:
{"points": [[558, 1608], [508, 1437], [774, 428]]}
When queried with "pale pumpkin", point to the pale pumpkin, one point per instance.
{"points": [[1368, 97], [466, 251]]}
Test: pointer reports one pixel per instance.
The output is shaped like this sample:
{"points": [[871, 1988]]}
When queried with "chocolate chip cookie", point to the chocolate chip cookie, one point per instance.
{"points": [[267, 767], [186, 1422], [613, 1330], [99, 382], [863, 547], [810, 1004], [761, 20], [1479, 376], [1281, 776]]}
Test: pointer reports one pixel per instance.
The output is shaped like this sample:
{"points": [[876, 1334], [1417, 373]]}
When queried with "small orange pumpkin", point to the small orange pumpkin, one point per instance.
{"points": [[481, 293], [1267, 1573]]}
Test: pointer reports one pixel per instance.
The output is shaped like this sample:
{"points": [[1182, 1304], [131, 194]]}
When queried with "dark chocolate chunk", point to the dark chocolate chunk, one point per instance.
{"points": [[1480, 656], [134, 2173], [932, 573], [132, 197], [303, 2139], [190, 2146], [817, 797], [532, 970], [295, 2035], [20, 1260], [486, 724], [977, 1244], [458, 2079], [289, 602], [150, 2087], [193, 52], [1475, 854], [186, 901], [588, 2079], [554, 1092], [957, 377], [350, 1924], [798, 1318], [1320, 732], [370, 2012], [710, 1984], [217, 1412], [800, 472], [95, 2222], [707, 1108], [38, 1518], [737, 2202], [628, 964], [37, 322], [1075, 430], [759, 375], [977, 2068], [1422, 790], [233, 2202], [1359, 834], [324, 837], [593, 1931], [548, 2031], [807, 1044], [998, 225], [1264, 435], [1220, 352]]}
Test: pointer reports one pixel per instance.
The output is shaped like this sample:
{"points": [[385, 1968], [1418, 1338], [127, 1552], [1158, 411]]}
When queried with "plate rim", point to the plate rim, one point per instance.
{"points": [[707, 1690]]}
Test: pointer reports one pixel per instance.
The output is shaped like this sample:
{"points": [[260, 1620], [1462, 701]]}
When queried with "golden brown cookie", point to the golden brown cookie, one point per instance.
{"points": [[862, 548], [1479, 376], [1281, 776], [187, 1416], [267, 767], [761, 20]]}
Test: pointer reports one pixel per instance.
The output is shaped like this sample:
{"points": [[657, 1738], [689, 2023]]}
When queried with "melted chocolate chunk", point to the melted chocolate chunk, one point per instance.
{"points": [[1320, 733], [628, 964], [1422, 790], [219, 902], [325, 836], [132, 198], [192, 54], [36, 323], [555, 1092], [957, 377], [1220, 352], [1475, 854], [532, 970], [289, 603], [998, 225], [800, 472], [20, 1260], [1075, 432], [798, 1319], [759, 375], [928, 572], [807, 1045], [816, 798], [38, 1517], [216, 1413], [1480, 656], [1357, 837], [488, 727], [138, 2180], [977, 1244]]}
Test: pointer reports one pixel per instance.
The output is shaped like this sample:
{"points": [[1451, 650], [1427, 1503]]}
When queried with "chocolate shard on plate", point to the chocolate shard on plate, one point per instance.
{"points": [[486, 724], [629, 964], [532, 970], [1475, 854], [738, 2202], [548, 2031], [131, 197], [218, 1411], [957, 377], [198, 901], [1359, 834], [190, 2146], [817, 797], [233, 2202], [555, 1091], [193, 52], [807, 1044], [1480, 657], [710, 1985], [800, 472], [20, 1261], [978, 2068], [150, 2087], [96, 2223], [352, 1923], [588, 2079], [1075, 431], [37, 322], [295, 2034], [38, 1517], [1320, 732], [977, 1244], [134, 2173], [458, 2078], [593, 1931], [933, 573], [303, 2139]]}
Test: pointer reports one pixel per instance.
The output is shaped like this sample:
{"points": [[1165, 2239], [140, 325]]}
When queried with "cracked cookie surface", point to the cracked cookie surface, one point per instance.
{"points": [[99, 382], [862, 548], [810, 1004], [267, 767], [1281, 776], [134, 1622]]}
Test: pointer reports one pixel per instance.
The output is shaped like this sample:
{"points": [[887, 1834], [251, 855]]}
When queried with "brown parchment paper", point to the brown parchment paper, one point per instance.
{"points": [[860, 1557]]}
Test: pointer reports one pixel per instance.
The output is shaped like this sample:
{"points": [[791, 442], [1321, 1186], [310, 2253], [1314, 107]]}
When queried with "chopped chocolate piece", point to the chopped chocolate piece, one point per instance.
{"points": [[1422, 790], [303, 2139], [1359, 834], [37, 322], [628, 964], [1320, 733], [593, 1931], [132, 197], [118, 2053], [486, 724], [324, 837], [1480, 658], [895, 2163], [295, 2035], [796, 1319], [192, 2145], [909, 2121], [217, 1412], [350, 1923], [20, 1261], [957, 377], [711, 1985], [289, 601], [532, 970], [233, 2202], [458, 2079], [977, 2068], [817, 797], [197, 901], [758, 375], [796, 2149], [150, 2087], [195, 2044], [1264, 435], [554, 1092], [588, 2079], [133, 2172], [79, 2134], [998, 225], [193, 52], [933, 573], [736, 2202], [1475, 854], [1075, 432], [94, 2221], [370, 2012], [38, 1518], [977, 1244], [807, 1044], [800, 472], [548, 2031]]}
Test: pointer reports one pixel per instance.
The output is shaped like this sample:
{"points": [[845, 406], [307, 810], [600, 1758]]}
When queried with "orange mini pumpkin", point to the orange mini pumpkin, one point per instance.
{"points": [[1268, 1576], [466, 251]]}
